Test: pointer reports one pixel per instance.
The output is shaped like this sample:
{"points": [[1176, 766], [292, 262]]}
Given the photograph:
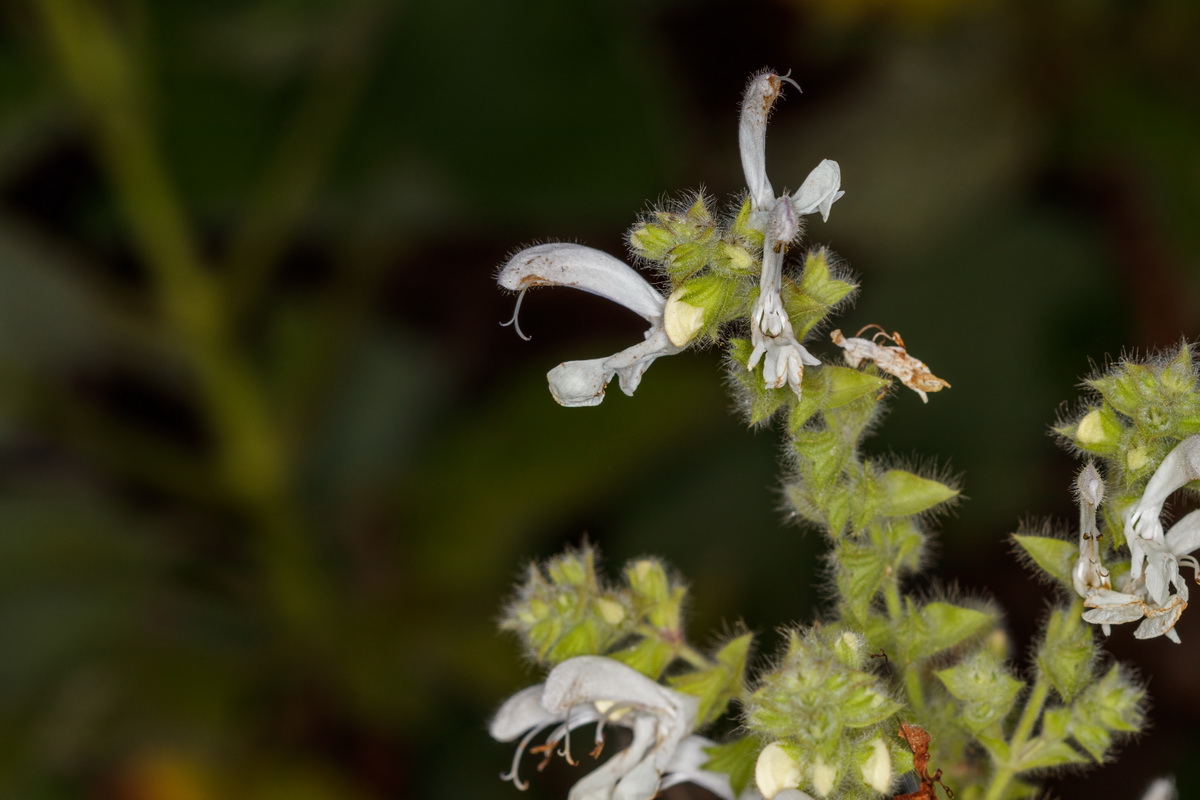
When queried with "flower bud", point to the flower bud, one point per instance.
{"points": [[877, 769], [776, 770]]}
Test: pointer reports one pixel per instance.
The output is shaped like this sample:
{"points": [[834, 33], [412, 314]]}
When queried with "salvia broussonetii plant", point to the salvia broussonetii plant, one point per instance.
{"points": [[890, 693]]}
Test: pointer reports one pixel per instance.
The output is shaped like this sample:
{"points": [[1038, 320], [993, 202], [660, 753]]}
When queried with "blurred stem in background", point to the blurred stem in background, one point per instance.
{"points": [[252, 453]]}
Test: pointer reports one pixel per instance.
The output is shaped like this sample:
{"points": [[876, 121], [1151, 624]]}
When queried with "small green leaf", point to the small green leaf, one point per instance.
{"points": [[1041, 753], [1066, 652], [906, 493], [719, 683], [860, 571], [1055, 556], [736, 759], [811, 300], [649, 656], [985, 688], [847, 385], [950, 624]]}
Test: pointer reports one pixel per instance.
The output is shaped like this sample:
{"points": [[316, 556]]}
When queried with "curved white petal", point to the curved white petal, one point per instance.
{"points": [[1161, 789], [586, 268], [687, 766], [1161, 623], [1113, 616], [577, 384], [820, 190], [601, 783], [761, 93], [1162, 570], [1180, 466], [1184, 536], [519, 713], [1107, 598], [592, 679]]}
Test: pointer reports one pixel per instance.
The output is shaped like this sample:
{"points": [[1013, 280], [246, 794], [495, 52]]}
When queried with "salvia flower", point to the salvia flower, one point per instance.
{"points": [[582, 383], [771, 332], [589, 689], [1154, 592]]}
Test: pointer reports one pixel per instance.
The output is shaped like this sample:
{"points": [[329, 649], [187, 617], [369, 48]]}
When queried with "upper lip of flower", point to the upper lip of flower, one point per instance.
{"points": [[598, 689], [582, 383]]}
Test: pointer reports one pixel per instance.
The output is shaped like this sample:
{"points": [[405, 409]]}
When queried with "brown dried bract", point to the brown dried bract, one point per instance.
{"points": [[892, 359], [918, 740]]}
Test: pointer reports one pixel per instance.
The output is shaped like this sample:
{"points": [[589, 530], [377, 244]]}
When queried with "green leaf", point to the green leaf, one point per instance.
{"points": [[1041, 753], [860, 570], [985, 688], [950, 624], [650, 656], [1055, 556], [1066, 652], [719, 683], [846, 385], [736, 759], [809, 301], [906, 493]]}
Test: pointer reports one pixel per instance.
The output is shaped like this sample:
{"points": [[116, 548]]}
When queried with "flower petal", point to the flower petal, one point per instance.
{"points": [[761, 93], [586, 268], [520, 713], [1161, 571], [820, 190], [687, 766], [1180, 466], [601, 783], [1162, 622], [1115, 615], [579, 384], [590, 679], [1107, 598], [1184, 535]]}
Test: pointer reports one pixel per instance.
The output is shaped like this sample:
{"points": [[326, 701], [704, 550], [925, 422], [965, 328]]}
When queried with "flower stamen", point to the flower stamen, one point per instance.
{"points": [[517, 310]]}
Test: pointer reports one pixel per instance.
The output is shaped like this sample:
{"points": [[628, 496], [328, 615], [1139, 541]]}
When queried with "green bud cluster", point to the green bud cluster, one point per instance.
{"points": [[715, 267], [1142, 410], [826, 710], [563, 610], [1111, 705]]}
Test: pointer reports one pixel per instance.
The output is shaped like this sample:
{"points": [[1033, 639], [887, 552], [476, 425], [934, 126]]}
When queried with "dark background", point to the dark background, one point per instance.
{"points": [[268, 464]]}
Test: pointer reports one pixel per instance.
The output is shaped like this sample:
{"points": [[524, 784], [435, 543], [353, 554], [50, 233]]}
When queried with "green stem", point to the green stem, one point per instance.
{"points": [[891, 598], [250, 451], [913, 689], [1024, 729]]}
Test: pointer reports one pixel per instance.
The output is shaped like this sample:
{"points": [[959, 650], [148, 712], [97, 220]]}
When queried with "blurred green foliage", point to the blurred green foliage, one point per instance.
{"points": [[268, 464]]}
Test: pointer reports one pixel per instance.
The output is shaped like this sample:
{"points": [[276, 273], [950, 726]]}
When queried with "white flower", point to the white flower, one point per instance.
{"points": [[1154, 592], [582, 383], [1161, 789], [1089, 574], [771, 333], [596, 689], [1143, 520]]}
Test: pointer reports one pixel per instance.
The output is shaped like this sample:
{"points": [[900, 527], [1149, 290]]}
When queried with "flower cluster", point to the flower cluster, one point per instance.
{"points": [[593, 689], [1154, 592], [886, 666], [677, 320]]}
